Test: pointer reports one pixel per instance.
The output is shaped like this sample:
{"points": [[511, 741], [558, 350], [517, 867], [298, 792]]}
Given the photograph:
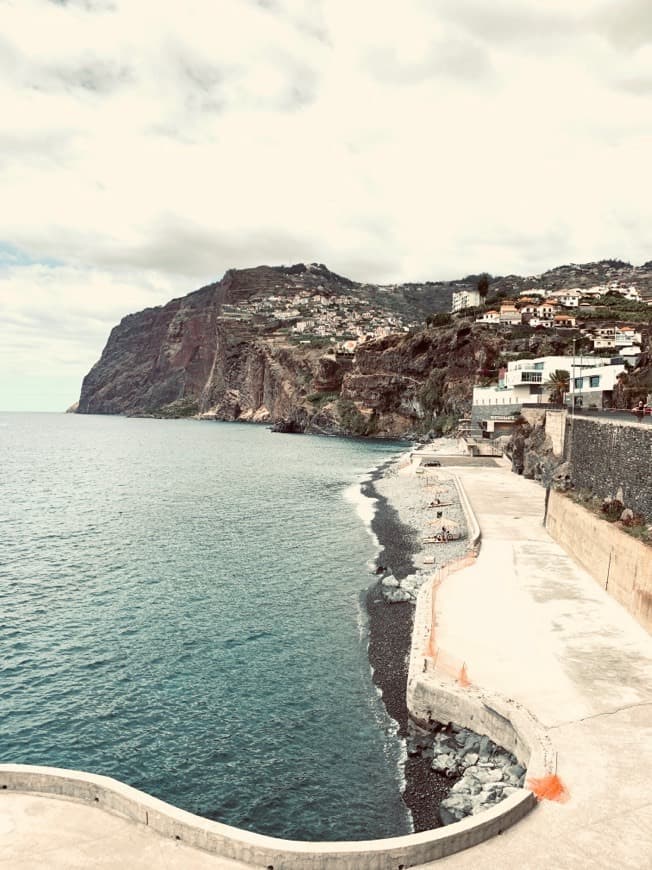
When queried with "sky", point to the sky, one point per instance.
{"points": [[147, 146]]}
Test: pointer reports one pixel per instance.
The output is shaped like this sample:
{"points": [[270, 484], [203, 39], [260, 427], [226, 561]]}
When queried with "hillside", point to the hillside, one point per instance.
{"points": [[272, 344]]}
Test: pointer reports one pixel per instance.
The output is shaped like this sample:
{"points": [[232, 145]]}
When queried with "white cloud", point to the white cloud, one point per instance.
{"points": [[145, 147]]}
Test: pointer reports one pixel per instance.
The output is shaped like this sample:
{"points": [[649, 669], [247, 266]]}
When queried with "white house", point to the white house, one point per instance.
{"points": [[614, 336], [565, 320], [525, 382], [594, 385], [488, 317], [509, 315], [546, 309], [567, 298]]}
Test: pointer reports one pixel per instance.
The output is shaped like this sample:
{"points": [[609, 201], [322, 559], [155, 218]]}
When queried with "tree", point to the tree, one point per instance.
{"points": [[558, 385], [482, 285]]}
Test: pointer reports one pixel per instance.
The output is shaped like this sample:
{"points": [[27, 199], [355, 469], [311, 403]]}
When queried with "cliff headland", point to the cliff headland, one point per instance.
{"points": [[308, 350]]}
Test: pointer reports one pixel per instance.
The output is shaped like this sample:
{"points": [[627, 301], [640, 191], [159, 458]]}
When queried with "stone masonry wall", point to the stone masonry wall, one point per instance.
{"points": [[606, 457]]}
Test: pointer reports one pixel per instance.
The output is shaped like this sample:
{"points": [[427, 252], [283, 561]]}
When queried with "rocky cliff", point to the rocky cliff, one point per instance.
{"points": [[274, 344], [262, 345]]}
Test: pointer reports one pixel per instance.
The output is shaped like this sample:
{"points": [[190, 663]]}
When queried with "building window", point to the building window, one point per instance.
{"points": [[578, 383], [594, 380]]}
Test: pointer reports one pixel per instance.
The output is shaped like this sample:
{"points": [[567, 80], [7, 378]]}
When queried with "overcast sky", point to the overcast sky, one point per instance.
{"points": [[146, 146]]}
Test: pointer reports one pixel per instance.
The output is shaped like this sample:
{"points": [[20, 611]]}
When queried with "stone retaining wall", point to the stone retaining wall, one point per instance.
{"points": [[607, 457]]}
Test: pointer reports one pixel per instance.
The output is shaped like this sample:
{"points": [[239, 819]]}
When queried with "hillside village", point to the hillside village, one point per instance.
{"points": [[608, 319], [308, 314]]}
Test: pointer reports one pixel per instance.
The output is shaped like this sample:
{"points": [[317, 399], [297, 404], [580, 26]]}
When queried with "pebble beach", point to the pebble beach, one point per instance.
{"points": [[404, 522]]}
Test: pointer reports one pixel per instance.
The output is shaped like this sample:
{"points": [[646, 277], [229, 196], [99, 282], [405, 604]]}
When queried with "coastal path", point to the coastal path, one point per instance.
{"points": [[533, 626]]}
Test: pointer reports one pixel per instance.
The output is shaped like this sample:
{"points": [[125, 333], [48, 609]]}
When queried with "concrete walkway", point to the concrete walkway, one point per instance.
{"points": [[46, 833], [535, 627], [531, 625]]}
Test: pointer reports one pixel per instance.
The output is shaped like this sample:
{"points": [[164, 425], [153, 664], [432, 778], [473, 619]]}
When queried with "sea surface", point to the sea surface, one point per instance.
{"points": [[181, 607]]}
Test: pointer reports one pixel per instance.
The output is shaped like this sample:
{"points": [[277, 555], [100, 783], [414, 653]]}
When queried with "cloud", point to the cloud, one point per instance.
{"points": [[627, 24], [451, 59], [514, 23], [147, 147]]}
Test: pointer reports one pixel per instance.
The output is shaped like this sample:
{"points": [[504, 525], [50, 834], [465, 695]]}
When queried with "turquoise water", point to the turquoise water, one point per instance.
{"points": [[181, 608]]}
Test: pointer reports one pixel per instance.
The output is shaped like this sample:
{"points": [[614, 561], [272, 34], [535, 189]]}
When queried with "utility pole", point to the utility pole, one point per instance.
{"points": [[573, 383], [572, 386]]}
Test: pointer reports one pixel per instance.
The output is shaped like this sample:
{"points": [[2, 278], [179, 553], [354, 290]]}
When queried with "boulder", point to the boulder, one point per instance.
{"points": [[396, 596], [454, 808]]}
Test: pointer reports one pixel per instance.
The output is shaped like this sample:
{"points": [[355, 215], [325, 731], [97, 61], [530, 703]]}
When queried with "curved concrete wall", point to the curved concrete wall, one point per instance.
{"points": [[258, 849], [433, 698]]}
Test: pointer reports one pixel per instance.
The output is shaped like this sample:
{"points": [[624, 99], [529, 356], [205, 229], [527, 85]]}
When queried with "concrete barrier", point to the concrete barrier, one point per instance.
{"points": [[619, 563], [473, 527], [257, 849]]}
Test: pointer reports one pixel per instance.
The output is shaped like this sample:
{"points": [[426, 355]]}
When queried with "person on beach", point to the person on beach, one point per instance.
{"points": [[639, 410]]}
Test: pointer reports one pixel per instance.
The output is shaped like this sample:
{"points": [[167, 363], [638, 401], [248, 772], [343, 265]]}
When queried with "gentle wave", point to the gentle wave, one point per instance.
{"points": [[182, 609]]}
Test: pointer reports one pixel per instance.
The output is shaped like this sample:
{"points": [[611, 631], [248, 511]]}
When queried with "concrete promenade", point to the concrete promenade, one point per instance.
{"points": [[532, 626]]}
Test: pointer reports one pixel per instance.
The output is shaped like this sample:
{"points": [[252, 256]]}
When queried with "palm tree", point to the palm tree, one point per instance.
{"points": [[558, 384]]}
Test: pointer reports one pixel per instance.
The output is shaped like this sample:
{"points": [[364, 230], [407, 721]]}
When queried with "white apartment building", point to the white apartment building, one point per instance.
{"points": [[465, 299], [613, 336], [525, 381], [588, 388]]}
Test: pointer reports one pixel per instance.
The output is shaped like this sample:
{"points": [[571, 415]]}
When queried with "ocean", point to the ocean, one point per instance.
{"points": [[182, 608]]}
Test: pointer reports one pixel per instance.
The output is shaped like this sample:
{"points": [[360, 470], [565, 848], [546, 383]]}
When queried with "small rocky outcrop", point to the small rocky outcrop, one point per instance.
{"points": [[483, 772], [531, 453], [395, 591]]}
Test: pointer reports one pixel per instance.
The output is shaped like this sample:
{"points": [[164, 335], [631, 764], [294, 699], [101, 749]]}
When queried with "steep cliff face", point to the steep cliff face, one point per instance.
{"points": [[236, 350], [154, 358], [406, 381]]}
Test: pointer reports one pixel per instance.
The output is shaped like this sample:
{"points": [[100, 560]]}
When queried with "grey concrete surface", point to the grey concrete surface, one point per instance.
{"points": [[534, 626], [39, 832]]}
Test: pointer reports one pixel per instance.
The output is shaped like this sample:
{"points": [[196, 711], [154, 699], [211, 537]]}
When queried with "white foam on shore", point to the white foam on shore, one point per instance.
{"points": [[365, 506]]}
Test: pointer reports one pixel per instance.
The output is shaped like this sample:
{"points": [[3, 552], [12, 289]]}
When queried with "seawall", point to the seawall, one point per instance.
{"points": [[259, 850]]}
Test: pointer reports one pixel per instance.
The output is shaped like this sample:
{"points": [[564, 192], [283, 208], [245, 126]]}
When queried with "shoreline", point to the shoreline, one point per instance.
{"points": [[390, 637]]}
